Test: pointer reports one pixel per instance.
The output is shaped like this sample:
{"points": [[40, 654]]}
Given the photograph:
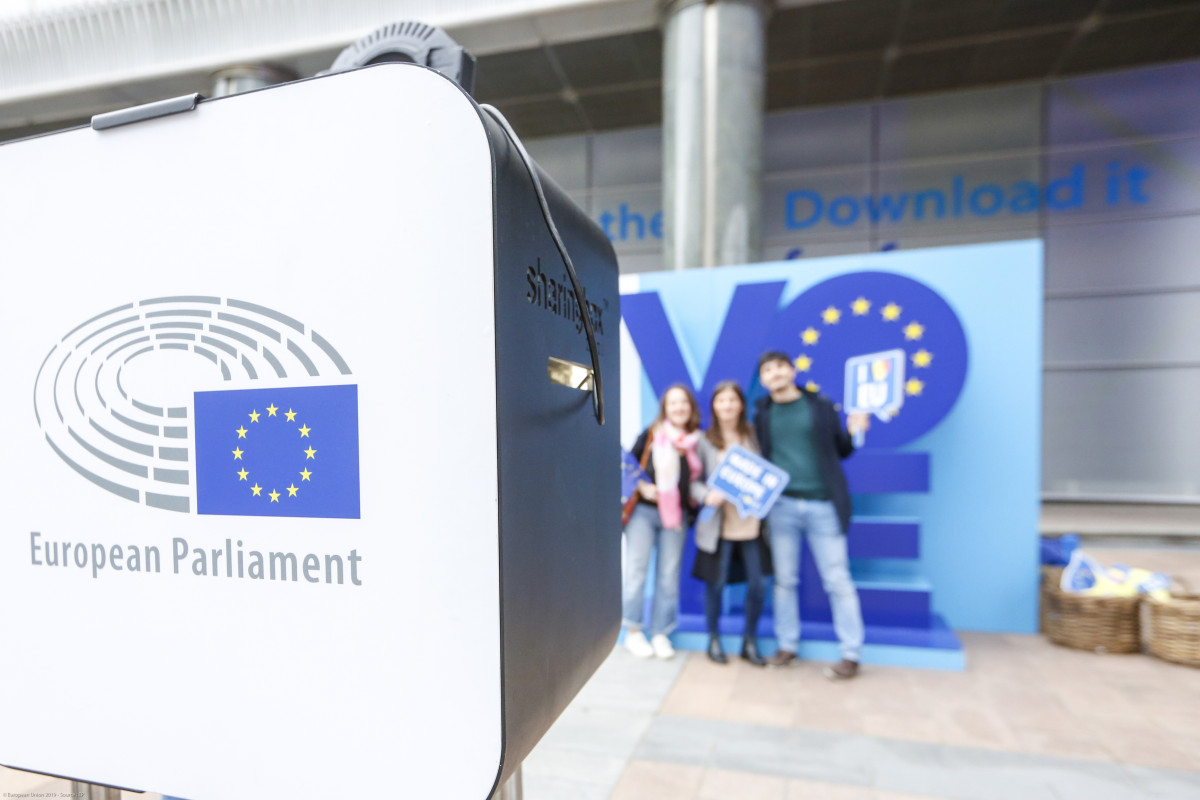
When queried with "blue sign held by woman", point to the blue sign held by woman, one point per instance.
{"points": [[749, 481]]}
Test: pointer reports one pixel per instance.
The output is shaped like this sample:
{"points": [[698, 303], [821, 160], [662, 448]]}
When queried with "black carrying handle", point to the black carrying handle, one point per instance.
{"points": [[597, 382]]}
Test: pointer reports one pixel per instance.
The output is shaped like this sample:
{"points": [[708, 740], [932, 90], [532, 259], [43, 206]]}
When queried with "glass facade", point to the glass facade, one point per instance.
{"points": [[1104, 168]]}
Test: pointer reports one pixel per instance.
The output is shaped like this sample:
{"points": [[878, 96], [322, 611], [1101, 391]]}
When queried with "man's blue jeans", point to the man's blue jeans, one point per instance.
{"points": [[788, 520], [643, 531]]}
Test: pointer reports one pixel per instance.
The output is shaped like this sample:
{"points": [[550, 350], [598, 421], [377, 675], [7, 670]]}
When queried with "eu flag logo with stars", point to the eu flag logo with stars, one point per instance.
{"points": [[283, 452]]}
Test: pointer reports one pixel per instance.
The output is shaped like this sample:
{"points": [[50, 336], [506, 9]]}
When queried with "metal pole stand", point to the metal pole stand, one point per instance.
{"points": [[511, 789], [92, 791]]}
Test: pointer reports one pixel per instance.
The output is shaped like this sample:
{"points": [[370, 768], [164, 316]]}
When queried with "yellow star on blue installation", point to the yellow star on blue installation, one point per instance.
{"points": [[860, 307], [871, 340]]}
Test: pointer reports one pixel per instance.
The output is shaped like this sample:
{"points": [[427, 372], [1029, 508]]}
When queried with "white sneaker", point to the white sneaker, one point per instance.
{"points": [[635, 643], [662, 646]]}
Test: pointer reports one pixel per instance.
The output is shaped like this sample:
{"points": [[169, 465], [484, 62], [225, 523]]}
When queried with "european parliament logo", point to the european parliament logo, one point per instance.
{"points": [[116, 400], [290, 452]]}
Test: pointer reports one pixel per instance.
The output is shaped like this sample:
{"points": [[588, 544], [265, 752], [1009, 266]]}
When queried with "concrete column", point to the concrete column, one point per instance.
{"points": [[244, 78], [714, 73]]}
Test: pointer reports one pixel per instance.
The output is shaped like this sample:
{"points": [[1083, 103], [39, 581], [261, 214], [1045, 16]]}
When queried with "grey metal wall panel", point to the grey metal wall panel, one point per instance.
{"points": [[919, 240], [632, 157], [1134, 329], [566, 159], [1145, 102], [640, 262], [1124, 254], [782, 250], [1119, 432], [817, 138], [962, 123]]}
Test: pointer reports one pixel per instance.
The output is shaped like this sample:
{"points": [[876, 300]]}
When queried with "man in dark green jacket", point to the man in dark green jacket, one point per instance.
{"points": [[802, 433]]}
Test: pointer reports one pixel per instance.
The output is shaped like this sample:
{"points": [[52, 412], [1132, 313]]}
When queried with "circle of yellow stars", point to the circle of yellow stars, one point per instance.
{"points": [[860, 307], [310, 453]]}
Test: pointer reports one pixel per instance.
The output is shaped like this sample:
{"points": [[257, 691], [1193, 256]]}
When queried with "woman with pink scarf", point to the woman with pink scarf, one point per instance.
{"points": [[661, 518]]}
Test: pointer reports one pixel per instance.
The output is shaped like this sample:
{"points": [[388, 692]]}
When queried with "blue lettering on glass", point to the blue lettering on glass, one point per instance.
{"points": [[1066, 193], [921, 203], [804, 208], [795, 200], [1136, 176], [625, 224], [849, 217], [986, 200], [1112, 186], [884, 205], [1024, 197]]}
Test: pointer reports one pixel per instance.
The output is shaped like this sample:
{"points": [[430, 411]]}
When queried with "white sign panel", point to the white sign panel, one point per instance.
{"points": [[250, 516], [875, 384]]}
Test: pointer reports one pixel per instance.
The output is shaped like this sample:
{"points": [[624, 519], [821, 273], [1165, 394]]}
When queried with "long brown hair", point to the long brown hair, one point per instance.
{"points": [[743, 426], [693, 422]]}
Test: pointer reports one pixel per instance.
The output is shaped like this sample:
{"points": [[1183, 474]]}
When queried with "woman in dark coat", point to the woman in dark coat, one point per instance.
{"points": [[730, 549]]}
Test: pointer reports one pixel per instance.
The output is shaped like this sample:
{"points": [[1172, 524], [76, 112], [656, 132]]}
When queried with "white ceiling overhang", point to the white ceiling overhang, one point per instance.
{"points": [[64, 62]]}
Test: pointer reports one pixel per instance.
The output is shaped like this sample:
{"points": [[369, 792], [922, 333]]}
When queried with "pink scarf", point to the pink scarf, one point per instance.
{"points": [[669, 443]]}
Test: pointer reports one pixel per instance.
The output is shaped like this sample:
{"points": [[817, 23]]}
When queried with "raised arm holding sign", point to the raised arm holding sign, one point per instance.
{"points": [[874, 385]]}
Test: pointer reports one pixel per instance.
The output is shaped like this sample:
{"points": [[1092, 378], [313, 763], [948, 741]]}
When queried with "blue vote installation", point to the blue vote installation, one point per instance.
{"points": [[946, 485]]}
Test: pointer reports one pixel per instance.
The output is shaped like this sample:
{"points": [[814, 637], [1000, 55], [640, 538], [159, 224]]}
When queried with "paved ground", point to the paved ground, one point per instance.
{"points": [[1026, 720]]}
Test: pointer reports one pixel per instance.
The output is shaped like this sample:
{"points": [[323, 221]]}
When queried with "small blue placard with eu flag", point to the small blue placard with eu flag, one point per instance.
{"points": [[282, 452]]}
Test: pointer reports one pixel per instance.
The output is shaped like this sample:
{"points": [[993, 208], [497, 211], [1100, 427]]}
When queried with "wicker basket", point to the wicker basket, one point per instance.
{"points": [[1102, 624], [1051, 576], [1175, 629]]}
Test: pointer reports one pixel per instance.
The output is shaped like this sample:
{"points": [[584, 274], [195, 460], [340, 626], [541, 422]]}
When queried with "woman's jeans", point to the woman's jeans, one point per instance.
{"points": [[790, 519], [755, 586], [643, 532]]}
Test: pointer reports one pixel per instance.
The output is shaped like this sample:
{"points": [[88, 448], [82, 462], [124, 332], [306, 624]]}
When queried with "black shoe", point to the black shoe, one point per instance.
{"points": [[844, 670], [715, 651], [751, 654], [781, 659]]}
